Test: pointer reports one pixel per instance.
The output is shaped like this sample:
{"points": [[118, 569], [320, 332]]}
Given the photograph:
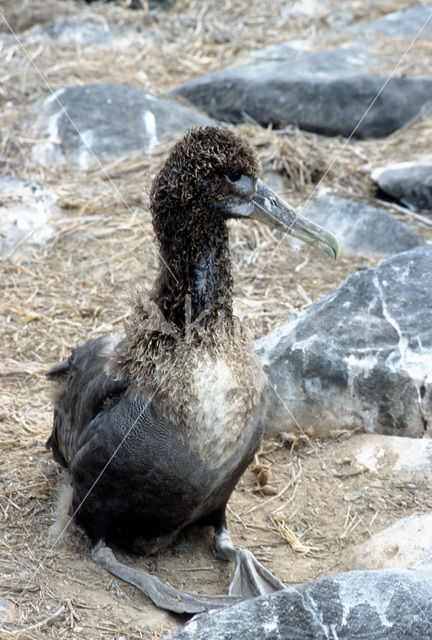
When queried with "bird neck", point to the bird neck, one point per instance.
{"points": [[194, 284]]}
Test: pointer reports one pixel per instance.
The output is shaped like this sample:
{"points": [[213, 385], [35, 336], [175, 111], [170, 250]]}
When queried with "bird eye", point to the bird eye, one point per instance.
{"points": [[234, 176]]}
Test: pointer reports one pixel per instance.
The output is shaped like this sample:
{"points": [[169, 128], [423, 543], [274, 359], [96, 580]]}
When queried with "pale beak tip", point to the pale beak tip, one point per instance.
{"points": [[334, 250]]}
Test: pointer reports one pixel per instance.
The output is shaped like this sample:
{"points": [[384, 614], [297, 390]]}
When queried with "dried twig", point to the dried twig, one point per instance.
{"points": [[280, 521], [261, 505], [39, 624]]}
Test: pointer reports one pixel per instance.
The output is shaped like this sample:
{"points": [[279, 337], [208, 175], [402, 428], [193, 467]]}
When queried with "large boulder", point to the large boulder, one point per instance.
{"points": [[387, 604], [409, 183], [361, 357], [330, 102], [344, 90], [87, 124], [362, 229]]}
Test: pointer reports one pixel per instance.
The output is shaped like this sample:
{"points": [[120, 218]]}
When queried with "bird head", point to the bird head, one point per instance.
{"points": [[212, 175]]}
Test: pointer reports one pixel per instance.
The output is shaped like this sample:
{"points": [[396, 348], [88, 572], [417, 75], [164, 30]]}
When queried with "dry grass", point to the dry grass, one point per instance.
{"points": [[77, 286]]}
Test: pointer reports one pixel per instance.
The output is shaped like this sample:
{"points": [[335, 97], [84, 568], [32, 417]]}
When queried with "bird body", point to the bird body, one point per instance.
{"points": [[156, 427], [191, 449]]}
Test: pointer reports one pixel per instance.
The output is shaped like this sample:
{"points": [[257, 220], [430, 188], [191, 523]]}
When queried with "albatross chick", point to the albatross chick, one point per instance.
{"points": [[156, 427]]}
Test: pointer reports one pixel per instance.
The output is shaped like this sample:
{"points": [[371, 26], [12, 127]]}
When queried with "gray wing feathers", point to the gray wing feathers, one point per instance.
{"points": [[83, 390]]}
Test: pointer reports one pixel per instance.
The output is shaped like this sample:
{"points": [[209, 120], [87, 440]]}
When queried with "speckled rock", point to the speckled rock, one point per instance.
{"points": [[86, 124], [25, 210], [361, 357], [387, 604], [408, 461], [403, 544], [409, 183], [362, 229]]}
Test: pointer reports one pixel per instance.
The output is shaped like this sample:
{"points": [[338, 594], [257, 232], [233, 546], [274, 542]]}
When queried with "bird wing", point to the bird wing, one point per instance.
{"points": [[83, 390]]}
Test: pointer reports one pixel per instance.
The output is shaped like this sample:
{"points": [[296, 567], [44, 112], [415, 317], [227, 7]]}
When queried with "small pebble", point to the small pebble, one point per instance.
{"points": [[353, 496]]}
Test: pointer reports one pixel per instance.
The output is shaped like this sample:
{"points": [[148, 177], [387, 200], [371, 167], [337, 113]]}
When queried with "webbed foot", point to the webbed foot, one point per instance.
{"points": [[250, 577], [162, 595]]}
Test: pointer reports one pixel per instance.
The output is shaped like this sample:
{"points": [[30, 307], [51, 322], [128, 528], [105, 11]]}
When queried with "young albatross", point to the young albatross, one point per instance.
{"points": [[157, 426]]}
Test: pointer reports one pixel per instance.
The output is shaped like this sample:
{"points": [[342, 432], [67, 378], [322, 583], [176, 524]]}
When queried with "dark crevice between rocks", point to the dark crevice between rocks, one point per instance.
{"points": [[380, 194], [411, 200], [422, 393]]}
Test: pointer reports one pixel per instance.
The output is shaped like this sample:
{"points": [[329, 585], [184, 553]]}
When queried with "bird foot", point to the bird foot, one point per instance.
{"points": [[162, 595], [250, 578]]}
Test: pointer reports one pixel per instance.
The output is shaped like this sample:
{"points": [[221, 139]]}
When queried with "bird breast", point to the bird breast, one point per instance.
{"points": [[225, 408], [215, 394]]}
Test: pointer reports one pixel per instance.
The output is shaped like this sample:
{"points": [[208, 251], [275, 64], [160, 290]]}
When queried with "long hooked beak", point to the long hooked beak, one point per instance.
{"points": [[272, 210]]}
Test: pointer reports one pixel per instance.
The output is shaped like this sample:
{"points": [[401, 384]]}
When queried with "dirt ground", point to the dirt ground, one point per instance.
{"points": [[77, 286]]}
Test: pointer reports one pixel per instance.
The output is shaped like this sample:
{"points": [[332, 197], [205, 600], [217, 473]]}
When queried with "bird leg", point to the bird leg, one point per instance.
{"points": [[162, 595], [250, 578]]}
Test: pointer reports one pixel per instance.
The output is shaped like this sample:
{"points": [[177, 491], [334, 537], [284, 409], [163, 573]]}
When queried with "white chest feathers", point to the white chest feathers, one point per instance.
{"points": [[218, 401], [225, 401]]}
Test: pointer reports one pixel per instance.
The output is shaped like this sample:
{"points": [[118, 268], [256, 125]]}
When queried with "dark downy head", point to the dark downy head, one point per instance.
{"points": [[211, 175], [208, 177]]}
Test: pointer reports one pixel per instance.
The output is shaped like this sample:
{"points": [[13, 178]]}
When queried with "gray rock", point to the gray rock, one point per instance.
{"points": [[404, 543], [409, 183], [347, 60], [327, 91], [398, 24], [76, 31], [314, 95], [392, 456], [387, 604], [395, 457], [361, 357], [25, 209], [362, 229], [278, 182], [84, 124], [358, 55]]}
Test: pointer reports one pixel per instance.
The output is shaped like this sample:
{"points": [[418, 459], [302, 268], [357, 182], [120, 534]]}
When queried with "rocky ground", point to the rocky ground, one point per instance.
{"points": [[308, 504]]}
